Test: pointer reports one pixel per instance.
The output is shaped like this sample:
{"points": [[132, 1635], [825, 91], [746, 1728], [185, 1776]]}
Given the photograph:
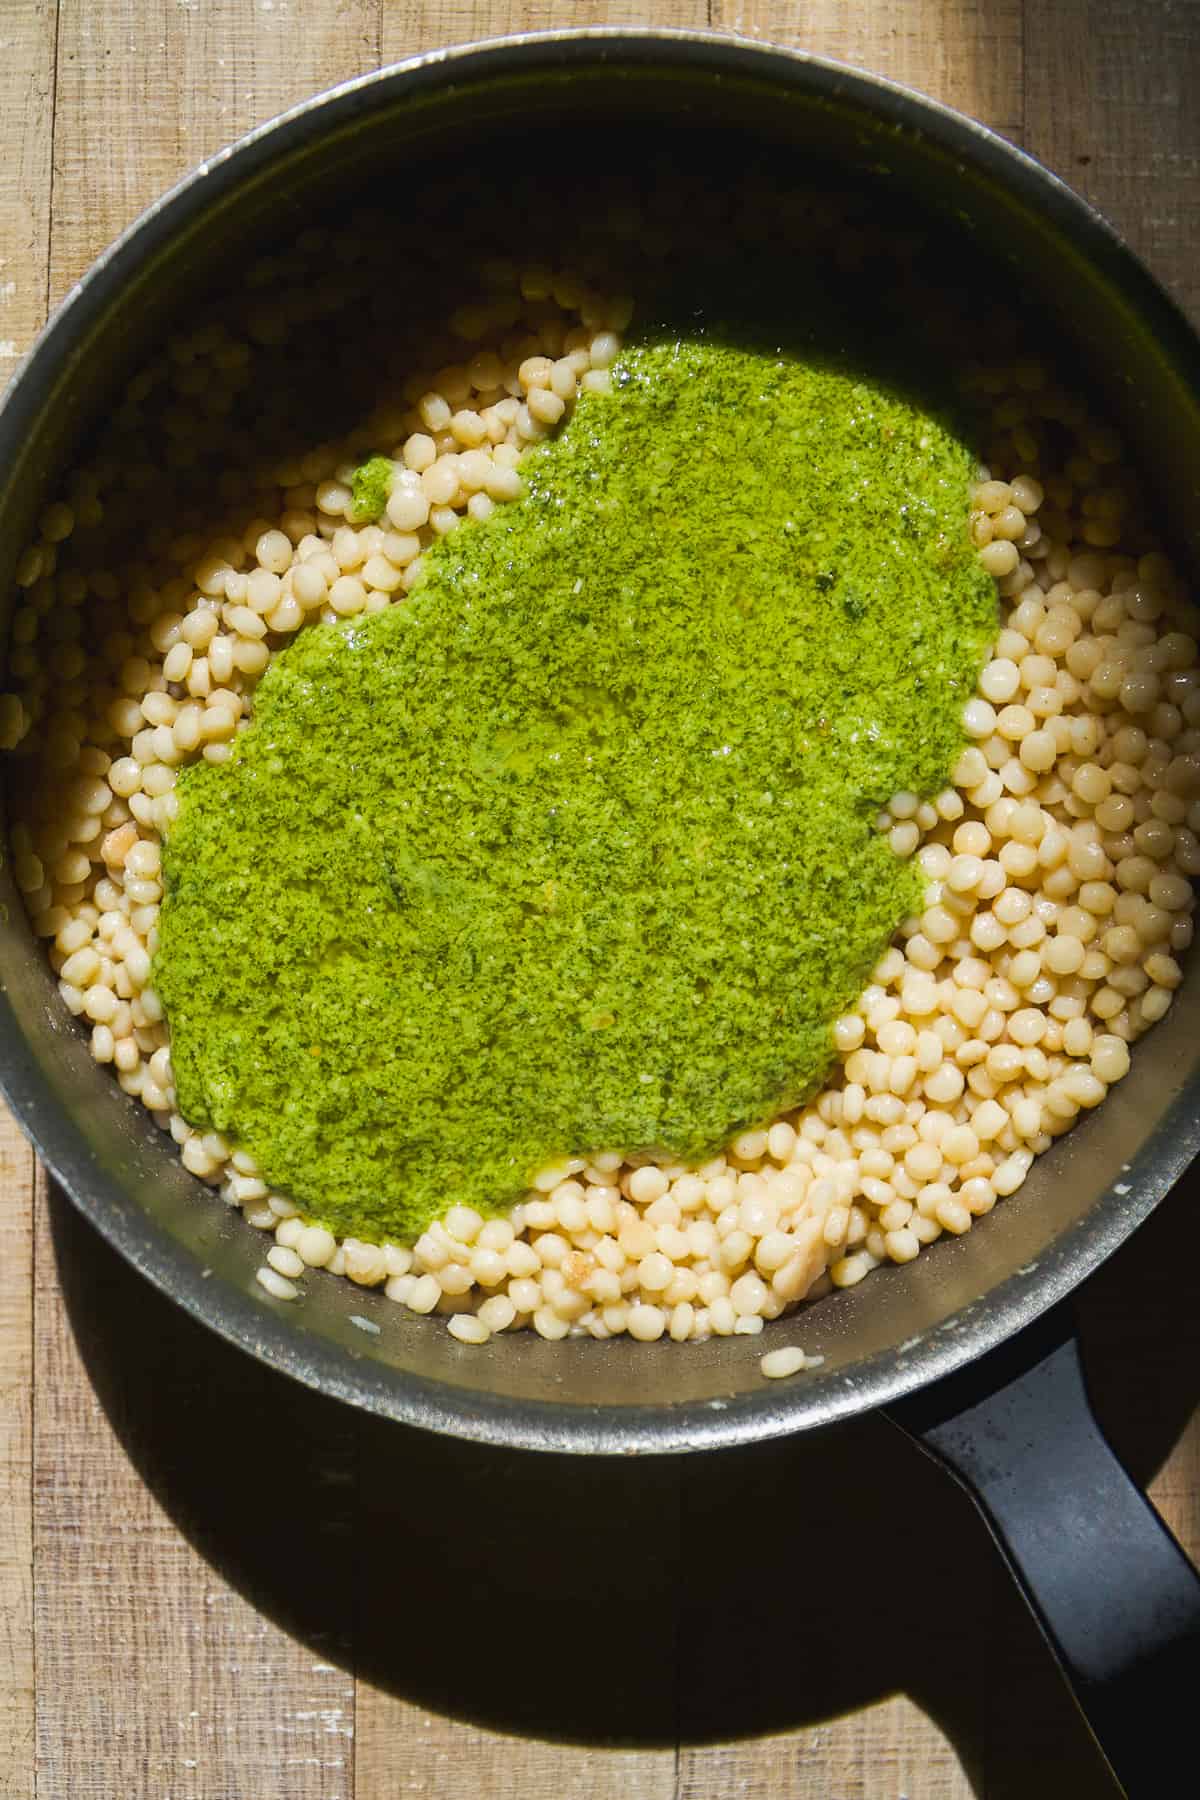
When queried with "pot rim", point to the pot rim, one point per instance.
{"points": [[262, 1327]]}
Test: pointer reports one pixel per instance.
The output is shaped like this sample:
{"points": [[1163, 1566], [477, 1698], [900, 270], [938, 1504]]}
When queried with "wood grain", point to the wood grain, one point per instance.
{"points": [[403, 1749], [142, 1545], [409, 27], [968, 54], [891, 1748], [1175, 1490], [179, 78], [27, 37], [27, 40], [16, 1436], [538, 1616], [1110, 104], [155, 1677]]}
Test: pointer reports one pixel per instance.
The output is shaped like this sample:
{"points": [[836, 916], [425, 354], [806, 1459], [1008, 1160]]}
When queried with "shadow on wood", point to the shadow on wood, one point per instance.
{"points": [[603, 1600]]}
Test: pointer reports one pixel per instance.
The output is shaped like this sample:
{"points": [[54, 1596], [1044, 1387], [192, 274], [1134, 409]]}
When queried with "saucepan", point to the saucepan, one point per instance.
{"points": [[969, 1347]]}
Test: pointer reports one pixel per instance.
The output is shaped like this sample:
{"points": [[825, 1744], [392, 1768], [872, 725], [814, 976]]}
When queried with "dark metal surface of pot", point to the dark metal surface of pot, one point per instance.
{"points": [[1126, 1640]]}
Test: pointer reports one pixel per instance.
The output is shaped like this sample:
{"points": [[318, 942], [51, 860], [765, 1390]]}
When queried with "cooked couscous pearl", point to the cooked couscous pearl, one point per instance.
{"points": [[468, 1328], [285, 1262], [278, 1286]]}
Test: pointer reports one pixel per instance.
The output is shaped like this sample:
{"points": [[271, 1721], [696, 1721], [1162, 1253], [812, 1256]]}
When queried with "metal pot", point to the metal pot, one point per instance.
{"points": [[944, 1344]]}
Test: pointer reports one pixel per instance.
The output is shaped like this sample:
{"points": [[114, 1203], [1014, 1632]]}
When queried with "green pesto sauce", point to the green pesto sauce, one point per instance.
{"points": [[370, 489], [575, 849]]}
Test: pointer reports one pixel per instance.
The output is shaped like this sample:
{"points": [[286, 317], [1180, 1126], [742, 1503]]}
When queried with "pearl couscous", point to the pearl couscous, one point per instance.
{"points": [[1058, 864]]}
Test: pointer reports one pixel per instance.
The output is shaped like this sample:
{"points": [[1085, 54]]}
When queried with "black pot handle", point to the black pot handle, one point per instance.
{"points": [[1113, 1592]]}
